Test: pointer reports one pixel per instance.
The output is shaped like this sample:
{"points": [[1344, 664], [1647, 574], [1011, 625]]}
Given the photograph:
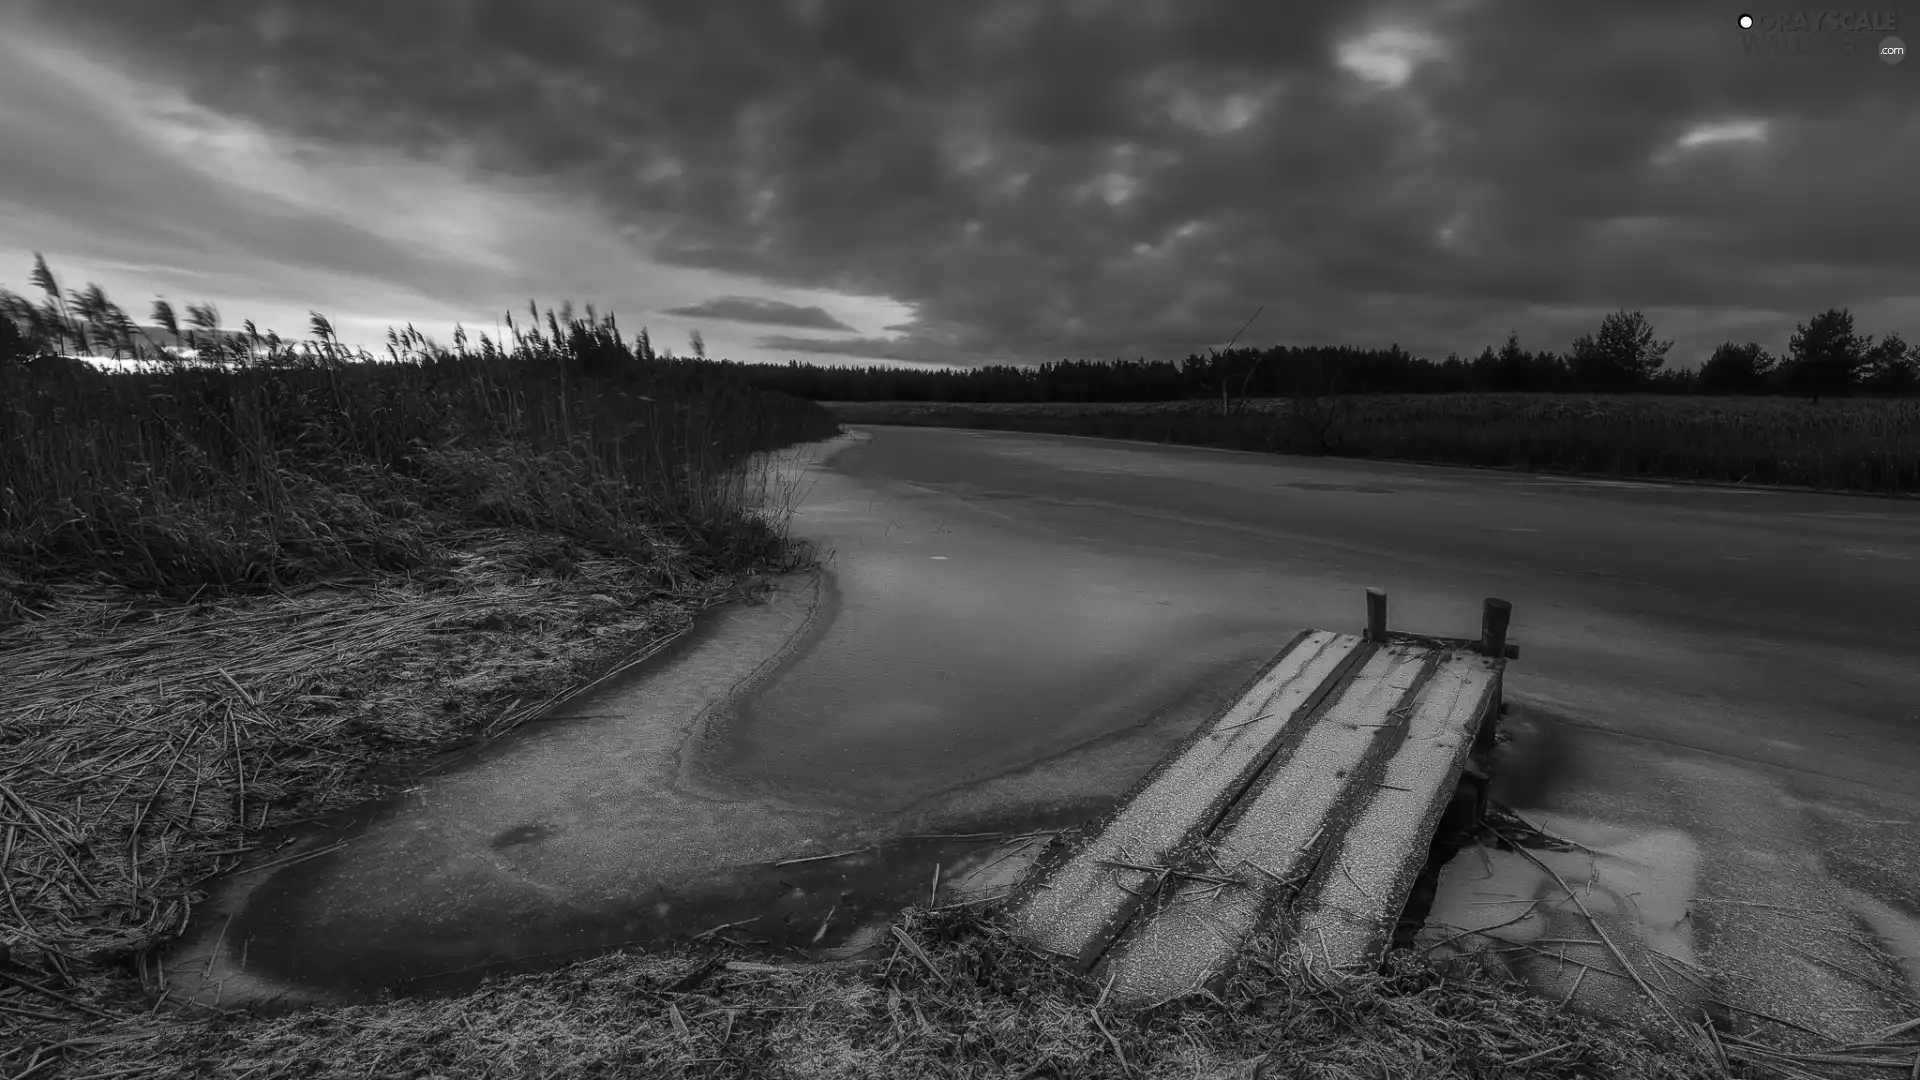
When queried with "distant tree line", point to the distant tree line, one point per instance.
{"points": [[1824, 358]]}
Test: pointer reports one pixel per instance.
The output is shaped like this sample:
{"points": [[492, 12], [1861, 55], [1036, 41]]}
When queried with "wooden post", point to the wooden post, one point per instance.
{"points": [[1376, 615], [1483, 736], [1494, 616]]}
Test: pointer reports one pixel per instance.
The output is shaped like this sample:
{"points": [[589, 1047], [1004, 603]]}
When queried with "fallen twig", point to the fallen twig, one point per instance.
{"points": [[1774, 1019], [56, 995], [1599, 930], [821, 858], [1895, 1031], [919, 954], [301, 857], [1735, 1042], [1538, 1054], [1578, 978], [1844, 970], [980, 835], [1125, 1069], [724, 927], [1483, 931], [1243, 723], [1165, 872]]}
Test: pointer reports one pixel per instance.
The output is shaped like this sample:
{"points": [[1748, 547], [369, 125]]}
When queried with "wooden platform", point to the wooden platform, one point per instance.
{"points": [[1310, 803]]}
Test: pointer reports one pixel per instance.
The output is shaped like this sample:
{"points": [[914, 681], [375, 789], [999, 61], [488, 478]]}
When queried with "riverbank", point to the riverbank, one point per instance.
{"points": [[329, 696], [343, 688], [164, 726], [1857, 446]]}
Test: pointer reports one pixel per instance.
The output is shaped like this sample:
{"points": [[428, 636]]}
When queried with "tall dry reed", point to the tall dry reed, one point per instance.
{"points": [[268, 464]]}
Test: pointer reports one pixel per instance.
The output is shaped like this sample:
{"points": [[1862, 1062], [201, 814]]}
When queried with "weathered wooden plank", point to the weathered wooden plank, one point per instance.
{"points": [[1345, 917], [1314, 798], [1272, 840], [1074, 909]]}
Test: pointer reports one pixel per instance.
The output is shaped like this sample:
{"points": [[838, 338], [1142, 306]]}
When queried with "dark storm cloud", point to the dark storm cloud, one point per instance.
{"points": [[748, 309], [1039, 180], [83, 164]]}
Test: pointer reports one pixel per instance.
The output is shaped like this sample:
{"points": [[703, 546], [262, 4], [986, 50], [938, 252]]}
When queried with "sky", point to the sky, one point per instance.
{"points": [[933, 182]]}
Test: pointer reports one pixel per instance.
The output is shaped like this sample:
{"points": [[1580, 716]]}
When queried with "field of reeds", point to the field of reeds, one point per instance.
{"points": [[295, 468], [1864, 445]]}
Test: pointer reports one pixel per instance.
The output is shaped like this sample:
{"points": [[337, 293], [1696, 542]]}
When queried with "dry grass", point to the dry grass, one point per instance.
{"points": [[1855, 445], [143, 744], [956, 998]]}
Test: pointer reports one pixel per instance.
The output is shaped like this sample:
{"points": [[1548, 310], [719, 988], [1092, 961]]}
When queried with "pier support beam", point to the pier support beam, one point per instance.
{"points": [[1494, 617]]}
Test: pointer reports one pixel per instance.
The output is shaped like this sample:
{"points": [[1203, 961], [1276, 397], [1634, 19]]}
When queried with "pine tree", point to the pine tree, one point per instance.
{"points": [[1621, 356]]}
